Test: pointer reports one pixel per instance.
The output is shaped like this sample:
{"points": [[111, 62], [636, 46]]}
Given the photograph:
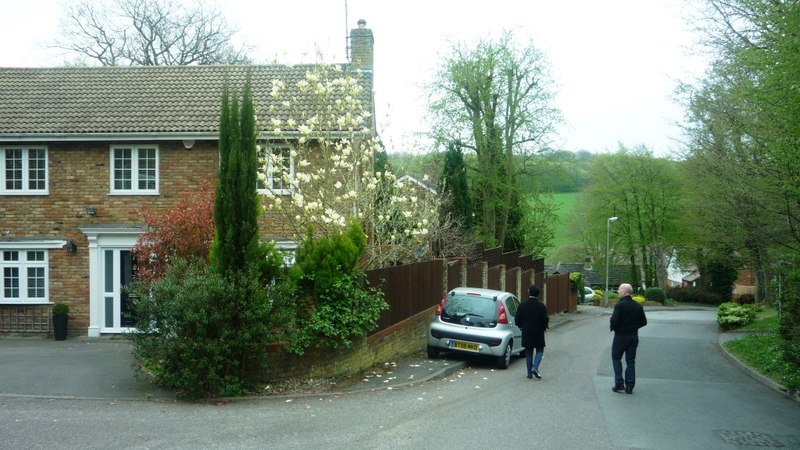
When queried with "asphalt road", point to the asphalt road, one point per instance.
{"points": [[688, 395]]}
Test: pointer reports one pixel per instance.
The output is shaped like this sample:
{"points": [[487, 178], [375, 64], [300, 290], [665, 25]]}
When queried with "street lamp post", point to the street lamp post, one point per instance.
{"points": [[608, 251]]}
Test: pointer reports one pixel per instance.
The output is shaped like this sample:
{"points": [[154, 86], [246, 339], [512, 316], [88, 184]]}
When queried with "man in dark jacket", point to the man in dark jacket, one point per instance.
{"points": [[625, 322], [532, 319]]}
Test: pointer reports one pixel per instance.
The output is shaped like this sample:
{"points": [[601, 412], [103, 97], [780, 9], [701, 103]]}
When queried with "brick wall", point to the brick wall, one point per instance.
{"points": [[404, 338], [79, 175]]}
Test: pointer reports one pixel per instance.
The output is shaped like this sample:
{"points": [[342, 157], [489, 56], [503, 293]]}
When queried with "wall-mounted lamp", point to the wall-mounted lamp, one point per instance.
{"points": [[91, 211], [71, 247], [188, 144]]}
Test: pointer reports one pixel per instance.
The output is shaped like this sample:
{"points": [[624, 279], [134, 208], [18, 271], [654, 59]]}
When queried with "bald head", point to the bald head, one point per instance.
{"points": [[625, 289]]}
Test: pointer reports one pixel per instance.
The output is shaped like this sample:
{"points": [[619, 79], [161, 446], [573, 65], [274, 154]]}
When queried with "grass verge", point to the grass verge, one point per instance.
{"points": [[762, 350]]}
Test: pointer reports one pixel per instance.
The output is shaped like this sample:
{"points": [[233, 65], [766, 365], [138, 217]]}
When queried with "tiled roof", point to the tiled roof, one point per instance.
{"points": [[143, 99], [616, 275], [419, 181]]}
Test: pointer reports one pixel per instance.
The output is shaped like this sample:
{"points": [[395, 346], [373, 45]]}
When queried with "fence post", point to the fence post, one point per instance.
{"points": [[544, 288], [445, 276]]}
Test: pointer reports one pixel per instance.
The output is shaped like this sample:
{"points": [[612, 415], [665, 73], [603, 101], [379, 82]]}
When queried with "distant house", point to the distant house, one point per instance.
{"points": [[422, 183], [691, 280], [595, 277], [84, 149]]}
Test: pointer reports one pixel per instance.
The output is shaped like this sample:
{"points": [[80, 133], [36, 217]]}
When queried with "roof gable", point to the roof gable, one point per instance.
{"points": [[155, 100]]}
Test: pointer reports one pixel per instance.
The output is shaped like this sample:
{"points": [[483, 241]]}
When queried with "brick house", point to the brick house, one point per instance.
{"points": [[84, 149]]}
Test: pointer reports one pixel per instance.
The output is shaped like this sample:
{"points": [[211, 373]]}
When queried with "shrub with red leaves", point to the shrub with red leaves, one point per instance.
{"points": [[184, 231]]}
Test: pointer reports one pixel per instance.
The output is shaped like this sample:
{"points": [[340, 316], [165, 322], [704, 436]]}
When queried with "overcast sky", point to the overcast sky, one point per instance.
{"points": [[615, 63]]}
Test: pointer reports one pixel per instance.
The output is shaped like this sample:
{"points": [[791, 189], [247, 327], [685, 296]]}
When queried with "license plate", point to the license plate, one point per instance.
{"points": [[465, 346]]}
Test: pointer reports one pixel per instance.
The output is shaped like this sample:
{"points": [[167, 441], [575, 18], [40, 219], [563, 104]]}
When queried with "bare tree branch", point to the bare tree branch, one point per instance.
{"points": [[148, 33]]}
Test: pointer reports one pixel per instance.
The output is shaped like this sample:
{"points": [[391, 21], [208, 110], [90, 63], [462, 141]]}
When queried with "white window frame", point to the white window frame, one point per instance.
{"points": [[135, 169], [22, 264], [26, 168], [269, 185]]}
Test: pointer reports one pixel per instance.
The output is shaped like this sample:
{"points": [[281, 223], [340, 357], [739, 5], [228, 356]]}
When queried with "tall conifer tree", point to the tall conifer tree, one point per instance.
{"points": [[236, 206], [454, 184]]}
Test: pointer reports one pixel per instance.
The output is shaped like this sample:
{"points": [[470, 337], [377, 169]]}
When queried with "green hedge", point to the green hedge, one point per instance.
{"points": [[655, 294], [693, 295]]}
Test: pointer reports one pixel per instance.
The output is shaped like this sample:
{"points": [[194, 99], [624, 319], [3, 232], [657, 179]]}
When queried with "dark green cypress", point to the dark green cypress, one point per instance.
{"points": [[454, 184], [236, 206]]}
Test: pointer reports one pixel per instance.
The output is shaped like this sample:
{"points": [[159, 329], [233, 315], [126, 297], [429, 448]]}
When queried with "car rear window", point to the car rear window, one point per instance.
{"points": [[470, 310]]}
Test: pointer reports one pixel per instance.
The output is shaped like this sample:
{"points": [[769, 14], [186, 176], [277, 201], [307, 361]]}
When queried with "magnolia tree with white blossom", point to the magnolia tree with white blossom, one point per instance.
{"points": [[332, 176]]}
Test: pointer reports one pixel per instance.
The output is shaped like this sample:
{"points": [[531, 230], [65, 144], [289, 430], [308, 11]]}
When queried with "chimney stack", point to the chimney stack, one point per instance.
{"points": [[361, 46]]}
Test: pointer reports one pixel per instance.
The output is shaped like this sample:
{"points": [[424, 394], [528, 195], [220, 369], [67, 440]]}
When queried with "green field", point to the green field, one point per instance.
{"points": [[566, 201]]}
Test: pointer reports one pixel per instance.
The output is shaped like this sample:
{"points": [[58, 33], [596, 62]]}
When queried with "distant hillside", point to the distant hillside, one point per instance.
{"points": [[566, 200]]}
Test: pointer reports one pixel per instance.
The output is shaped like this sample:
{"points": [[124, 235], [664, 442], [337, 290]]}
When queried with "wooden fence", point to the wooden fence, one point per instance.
{"points": [[412, 288]]}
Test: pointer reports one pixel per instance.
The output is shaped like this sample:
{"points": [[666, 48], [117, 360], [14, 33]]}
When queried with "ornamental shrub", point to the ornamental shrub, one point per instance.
{"points": [[338, 303], [576, 284], [731, 315], [345, 310], [200, 332], [655, 294], [60, 309], [638, 298]]}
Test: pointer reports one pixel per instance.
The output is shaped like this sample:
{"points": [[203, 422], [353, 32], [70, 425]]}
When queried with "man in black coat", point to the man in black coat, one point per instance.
{"points": [[532, 319], [625, 322]]}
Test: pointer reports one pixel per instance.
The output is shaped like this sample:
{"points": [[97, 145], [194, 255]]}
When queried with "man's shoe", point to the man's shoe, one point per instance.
{"points": [[618, 389], [530, 376], [629, 391], [536, 374]]}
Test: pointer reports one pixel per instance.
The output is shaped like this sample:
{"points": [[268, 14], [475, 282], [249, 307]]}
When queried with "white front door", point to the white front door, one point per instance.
{"points": [[111, 270], [118, 272]]}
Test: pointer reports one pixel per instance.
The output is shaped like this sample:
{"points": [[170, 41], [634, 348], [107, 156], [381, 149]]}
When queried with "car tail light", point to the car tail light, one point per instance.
{"points": [[502, 317], [440, 307]]}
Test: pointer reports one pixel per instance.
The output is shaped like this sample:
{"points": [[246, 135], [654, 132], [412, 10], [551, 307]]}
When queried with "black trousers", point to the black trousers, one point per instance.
{"points": [[624, 344]]}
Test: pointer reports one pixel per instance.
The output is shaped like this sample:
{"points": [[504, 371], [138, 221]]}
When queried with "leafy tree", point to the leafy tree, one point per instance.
{"points": [[184, 231], [534, 230], [790, 319], [494, 99], [148, 33], [744, 127], [336, 172], [719, 271], [647, 195]]}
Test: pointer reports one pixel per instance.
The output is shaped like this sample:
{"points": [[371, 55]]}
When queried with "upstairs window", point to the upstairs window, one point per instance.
{"points": [[276, 170], [23, 170], [134, 170], [24, 276]]}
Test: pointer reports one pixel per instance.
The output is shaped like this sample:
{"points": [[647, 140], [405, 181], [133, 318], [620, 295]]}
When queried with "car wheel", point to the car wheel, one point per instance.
{"points": [[505, 360], [433, 352]]}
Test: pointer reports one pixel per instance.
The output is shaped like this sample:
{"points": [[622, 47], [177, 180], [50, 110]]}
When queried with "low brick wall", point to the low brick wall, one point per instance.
{"points": [[403, 338]]}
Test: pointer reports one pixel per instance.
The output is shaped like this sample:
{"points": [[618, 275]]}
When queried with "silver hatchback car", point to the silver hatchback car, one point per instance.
{"points": [[478, 321]]}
